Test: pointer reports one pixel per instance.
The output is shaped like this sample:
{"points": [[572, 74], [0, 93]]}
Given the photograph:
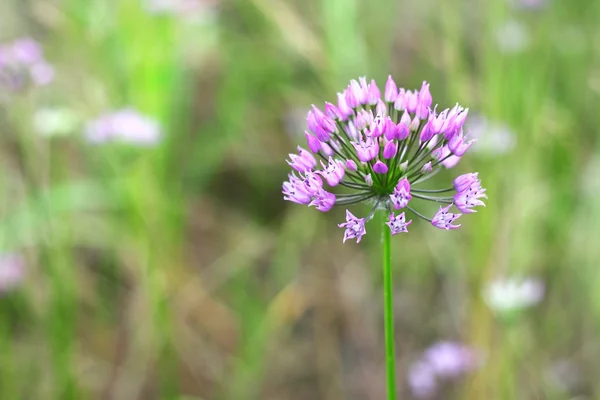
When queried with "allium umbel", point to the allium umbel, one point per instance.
{"points": [[380, 149]]}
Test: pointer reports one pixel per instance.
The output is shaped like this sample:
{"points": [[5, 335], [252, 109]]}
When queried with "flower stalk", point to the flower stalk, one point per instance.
{"points": [[379, 149], [388, 301]]}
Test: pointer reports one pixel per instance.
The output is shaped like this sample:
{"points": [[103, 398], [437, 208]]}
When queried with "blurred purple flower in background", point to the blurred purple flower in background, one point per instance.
{"points": [[445, 360], [532, 5], [492, 138], [125, 126], [450, 359], [12, 271], [513, 294], [22, 63], [421, 379]]}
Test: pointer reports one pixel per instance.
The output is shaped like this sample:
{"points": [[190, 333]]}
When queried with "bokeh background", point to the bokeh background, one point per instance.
{"points": [[162, 263]]}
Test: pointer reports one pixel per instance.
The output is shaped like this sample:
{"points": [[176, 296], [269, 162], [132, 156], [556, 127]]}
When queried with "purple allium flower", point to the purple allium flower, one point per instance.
{"points": [[360, 122], [296, 191], [379, 150], [125, 126], [401, 196], [427, 167], [398, 223], [22, 63], [458, 145], [469, 191], [302, 162], [366, 150], [332, 172], [512, 294], [423, 108], [380, 168], [469, 198], [12, 271], [355, 227], [351, 165], [390, 150], [465, 181], [313, 143], [443, 154], [391, 90], [323, 200], [444, 219]]}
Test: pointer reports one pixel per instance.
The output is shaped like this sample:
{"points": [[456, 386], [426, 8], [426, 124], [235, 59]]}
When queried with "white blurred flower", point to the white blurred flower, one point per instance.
{"points": [[513, 294], [180, 7], [512, 37], [295, 123], [54, 121], [492, 138]]}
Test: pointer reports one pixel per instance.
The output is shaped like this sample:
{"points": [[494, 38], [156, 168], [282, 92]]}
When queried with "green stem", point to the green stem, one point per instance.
{"points": [[390, 356]]}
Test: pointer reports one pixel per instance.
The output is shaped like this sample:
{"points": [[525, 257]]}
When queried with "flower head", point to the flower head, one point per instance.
{"points": [[379, 145]]}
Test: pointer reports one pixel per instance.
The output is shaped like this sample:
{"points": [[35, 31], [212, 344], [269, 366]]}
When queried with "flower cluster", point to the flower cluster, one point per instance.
{"points": [[445, 360], [22, 63], [379, 149], [125, 126]]}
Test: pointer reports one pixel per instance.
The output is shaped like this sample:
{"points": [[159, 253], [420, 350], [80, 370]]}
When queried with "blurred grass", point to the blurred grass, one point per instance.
{"points": [[177, 272]]}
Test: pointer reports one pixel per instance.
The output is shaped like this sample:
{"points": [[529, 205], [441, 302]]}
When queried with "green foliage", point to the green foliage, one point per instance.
{"points": [[178, 272]]}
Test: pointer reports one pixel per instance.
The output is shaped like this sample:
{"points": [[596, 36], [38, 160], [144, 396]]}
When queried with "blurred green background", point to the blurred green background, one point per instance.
{"points": [[176, 271]]}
